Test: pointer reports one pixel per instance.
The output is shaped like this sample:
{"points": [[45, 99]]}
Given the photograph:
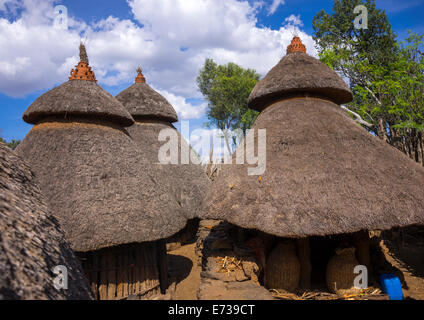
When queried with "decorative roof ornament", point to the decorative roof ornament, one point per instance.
{"points": [[296, 46], [140, 78], [82, 70], [83, 53]]}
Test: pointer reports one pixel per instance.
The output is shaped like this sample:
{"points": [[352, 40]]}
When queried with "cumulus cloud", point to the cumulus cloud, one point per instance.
{"points": [[274, 6], [185, 110], [169, 39], [294, 20]]}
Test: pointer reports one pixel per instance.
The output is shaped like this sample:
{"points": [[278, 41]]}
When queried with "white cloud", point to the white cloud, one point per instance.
{"points": [[185, 110], [172, 46], [294, 20], [274, 6]]}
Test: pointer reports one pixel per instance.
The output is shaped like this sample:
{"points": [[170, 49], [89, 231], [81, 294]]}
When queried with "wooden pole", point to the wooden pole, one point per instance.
{"points": [[163, 264], [304, 254], [362, 243]]}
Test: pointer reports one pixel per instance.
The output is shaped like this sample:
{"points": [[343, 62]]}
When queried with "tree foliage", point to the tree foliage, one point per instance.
{"points": [[227, 89], [385, 76], [12, 144]]}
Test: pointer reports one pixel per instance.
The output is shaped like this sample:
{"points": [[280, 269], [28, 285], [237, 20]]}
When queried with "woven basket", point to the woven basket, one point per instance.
{"points": [[340, 275], [282, 270]]}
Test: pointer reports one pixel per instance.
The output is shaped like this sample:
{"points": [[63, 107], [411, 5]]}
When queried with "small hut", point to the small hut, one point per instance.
{"points": [[153, 113], [325, 175], [111, 202], [32, 243]]}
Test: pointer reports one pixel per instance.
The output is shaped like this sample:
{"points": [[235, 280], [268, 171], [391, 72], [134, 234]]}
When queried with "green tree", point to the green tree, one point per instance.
{"points": [[12, 144], [227, 89], [386, 77]]}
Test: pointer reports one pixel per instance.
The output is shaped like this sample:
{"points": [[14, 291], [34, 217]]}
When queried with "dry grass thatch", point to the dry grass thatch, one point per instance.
{"points": [[142, 101], [188, 182], [324, 175], [153, 113], [366, 294], [31, 241], [299, 74], [99, 187], [229, 264], [78, 98]]}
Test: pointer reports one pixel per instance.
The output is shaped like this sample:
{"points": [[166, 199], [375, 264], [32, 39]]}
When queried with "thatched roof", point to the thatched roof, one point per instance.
{"points": [[78, 98], [31, 241], [103, 192], [324, 175], [142, 102], [188, 181], [296, 74]]}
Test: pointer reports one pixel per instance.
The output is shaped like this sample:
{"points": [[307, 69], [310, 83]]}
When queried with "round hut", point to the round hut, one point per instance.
{"points": [[112, 203], [32, 243], [325, 175], [152, 114]]}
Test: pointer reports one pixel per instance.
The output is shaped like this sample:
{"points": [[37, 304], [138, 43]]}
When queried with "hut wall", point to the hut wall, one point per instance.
{"points": [[128, 270]]}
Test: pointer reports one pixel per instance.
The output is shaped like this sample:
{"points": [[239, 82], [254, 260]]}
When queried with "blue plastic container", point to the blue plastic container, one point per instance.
{"points": [[392, 286]]}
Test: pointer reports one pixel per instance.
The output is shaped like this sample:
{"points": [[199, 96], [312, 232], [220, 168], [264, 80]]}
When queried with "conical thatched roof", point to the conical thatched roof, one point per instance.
{"points": [[324, 173], [188, 181], [81, 98], [298, 73], [31, 241], [142, 101], [96, 182]]}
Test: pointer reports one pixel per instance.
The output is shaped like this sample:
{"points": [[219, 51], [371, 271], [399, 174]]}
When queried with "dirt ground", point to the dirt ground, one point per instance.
{"points": [[404, 250], [184, 269]]}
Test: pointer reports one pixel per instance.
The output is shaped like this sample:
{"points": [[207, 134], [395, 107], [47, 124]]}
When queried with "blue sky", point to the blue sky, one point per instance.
{"points": [[169, 39]]}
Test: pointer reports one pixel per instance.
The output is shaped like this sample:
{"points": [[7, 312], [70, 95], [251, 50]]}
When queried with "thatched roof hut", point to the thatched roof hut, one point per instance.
{"points": [[324, 173], [153, 113], [99, 187], [32, 243]]}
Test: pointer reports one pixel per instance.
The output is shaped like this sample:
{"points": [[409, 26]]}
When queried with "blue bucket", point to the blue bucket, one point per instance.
{"points": [[392, 286]]}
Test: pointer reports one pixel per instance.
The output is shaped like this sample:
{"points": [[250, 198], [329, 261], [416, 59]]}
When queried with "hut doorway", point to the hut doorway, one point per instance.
{"points": [[322, 250]]}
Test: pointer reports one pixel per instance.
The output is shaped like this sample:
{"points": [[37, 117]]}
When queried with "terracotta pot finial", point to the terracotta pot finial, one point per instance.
{"points": [[140, 78], [82, 70], [296, 46]]}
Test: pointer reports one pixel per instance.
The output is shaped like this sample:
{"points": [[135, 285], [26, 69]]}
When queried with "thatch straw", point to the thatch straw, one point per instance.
{"points": [[143, 102], [324, 173], [83, 53], [31, 241], [78, 98], [153, 113], [99, 187], [365, 294], [229, 264], [298, 74]]}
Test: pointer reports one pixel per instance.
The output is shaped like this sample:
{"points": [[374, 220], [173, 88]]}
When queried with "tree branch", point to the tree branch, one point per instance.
{"points": [[358, 118]]}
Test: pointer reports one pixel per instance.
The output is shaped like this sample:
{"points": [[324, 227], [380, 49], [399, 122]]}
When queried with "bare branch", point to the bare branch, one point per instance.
{"points": [[358, 118]]}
